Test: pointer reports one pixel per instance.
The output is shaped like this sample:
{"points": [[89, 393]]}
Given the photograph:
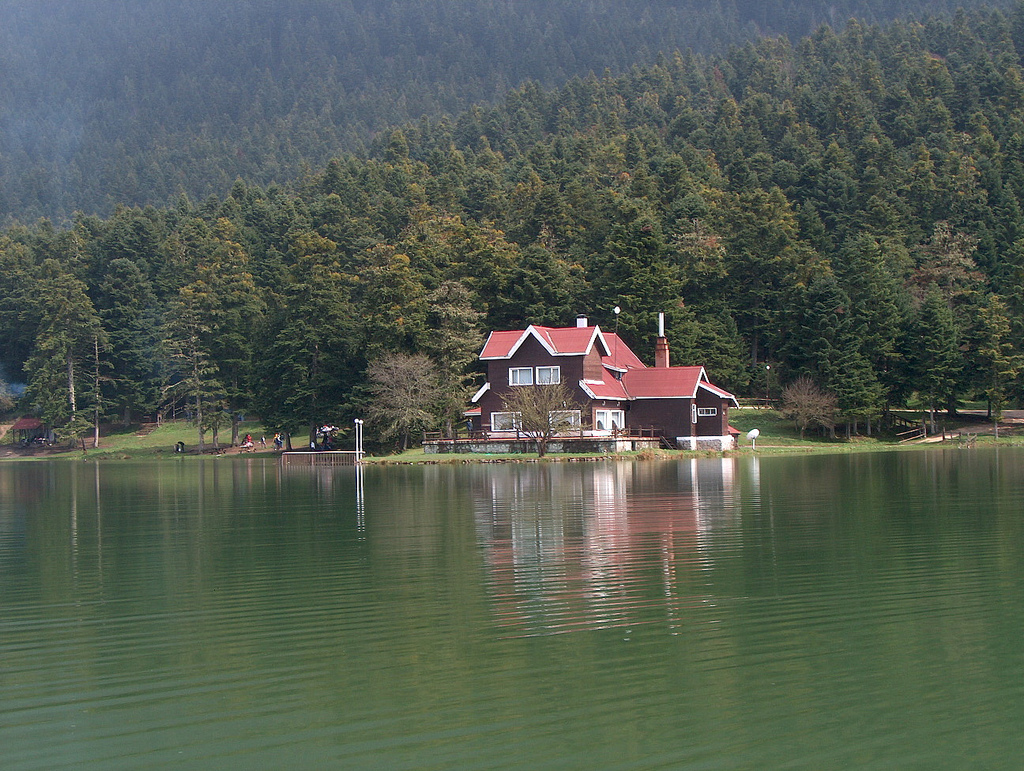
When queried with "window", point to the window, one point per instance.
{"points": [[520, 376], [707, 412], [505, 421], [609, 420], [564, 420], [549, 375]]}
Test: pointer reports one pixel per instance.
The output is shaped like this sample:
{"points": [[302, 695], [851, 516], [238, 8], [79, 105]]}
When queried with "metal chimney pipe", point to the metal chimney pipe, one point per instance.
{"points": [[661, 358]]}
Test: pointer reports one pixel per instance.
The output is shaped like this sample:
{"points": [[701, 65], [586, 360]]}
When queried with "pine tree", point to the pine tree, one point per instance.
{"points": [[65, 343], [939, 363], [997, 355], [192, 378]]}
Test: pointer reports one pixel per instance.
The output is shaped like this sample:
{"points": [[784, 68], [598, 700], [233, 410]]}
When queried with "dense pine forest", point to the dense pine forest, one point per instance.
{"points": [[131, 102], [845, 206]]}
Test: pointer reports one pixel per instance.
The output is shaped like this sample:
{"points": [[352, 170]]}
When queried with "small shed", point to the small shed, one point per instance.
{"points": [[27, 430]]}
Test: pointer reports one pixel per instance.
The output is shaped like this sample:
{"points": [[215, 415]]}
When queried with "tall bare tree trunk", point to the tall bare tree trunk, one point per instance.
{"points": [[96, 396], [199, 422], [71, 385]]}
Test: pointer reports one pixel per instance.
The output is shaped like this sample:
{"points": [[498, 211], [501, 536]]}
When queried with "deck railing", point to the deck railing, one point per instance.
{"points": [[484, 435]]}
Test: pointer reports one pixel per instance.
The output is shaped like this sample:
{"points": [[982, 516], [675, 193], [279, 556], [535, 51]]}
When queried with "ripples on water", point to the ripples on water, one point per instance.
{"points": [[825, 612]]}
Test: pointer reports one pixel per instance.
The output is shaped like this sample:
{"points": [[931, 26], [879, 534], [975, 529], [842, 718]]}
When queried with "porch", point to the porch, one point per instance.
{"points": [[509, 442]]}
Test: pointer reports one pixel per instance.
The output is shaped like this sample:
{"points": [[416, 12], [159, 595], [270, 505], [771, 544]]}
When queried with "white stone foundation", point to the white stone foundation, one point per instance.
{"points": [[716, 443]]}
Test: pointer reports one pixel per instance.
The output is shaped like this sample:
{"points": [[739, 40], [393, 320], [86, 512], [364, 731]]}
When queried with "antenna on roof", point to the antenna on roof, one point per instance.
{"points": [[615, 353]]}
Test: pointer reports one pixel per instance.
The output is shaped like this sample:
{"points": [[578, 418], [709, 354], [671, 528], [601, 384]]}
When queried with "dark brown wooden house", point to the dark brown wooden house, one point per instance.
{"points": [[617, 392]]}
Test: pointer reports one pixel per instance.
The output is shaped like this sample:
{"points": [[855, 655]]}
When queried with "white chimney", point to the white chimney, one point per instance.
{"points": [[661, 357], [581, 322]]}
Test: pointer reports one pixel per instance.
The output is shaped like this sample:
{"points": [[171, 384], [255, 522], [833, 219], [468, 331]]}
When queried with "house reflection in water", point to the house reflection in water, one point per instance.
{"points": [[604, 545]]}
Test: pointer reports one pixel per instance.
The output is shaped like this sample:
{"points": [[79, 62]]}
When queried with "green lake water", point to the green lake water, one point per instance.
{"points": [[857, 611]]}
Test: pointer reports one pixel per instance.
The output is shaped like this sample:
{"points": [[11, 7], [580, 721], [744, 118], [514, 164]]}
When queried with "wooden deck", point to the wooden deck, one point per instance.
{"points": [[320, 458], [512, 444]]}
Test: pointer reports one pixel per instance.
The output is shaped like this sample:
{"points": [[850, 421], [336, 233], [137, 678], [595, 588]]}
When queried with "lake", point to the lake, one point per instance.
{"points": [[848, 611]]}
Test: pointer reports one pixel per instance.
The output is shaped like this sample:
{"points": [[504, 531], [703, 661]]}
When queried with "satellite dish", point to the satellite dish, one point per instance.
{"points": [[753, 433]]}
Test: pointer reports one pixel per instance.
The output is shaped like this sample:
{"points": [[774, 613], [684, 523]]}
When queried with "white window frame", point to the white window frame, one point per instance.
{"points": [[520, 376], [707, 412], [609, 420], [513, 421], [575, 418], [548, 375]]}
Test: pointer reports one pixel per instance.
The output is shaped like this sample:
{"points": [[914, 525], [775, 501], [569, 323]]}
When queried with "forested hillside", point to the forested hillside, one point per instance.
{"points": [[847, 207], [130, 102]]}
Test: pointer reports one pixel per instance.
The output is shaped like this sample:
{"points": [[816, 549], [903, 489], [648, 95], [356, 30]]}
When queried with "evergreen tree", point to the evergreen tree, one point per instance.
{"points": [[65, 343], [997, 356], [191, 379], [452, 340], [939, 364], [127, 308], [307, 371]]}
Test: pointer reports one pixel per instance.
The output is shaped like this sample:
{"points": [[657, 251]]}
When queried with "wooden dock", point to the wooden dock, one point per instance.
{"points": [[321, 458]]}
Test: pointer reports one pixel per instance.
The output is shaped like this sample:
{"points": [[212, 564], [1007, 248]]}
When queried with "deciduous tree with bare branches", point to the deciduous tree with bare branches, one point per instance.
{"points": [[543, 412], [808, 406], [406, 392]]}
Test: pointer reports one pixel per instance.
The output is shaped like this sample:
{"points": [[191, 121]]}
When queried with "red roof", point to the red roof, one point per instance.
{"points": [[663, 382], [638, 381], [559, 341], [609, 388], [621, 356], [27, 424]]}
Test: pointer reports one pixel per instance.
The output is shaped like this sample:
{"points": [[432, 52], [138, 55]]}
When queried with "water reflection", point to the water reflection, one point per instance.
{"points": [[570, 550], [803, 612]]}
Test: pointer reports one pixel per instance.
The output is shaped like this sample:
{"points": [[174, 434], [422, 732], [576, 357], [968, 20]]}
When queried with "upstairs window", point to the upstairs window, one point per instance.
{"points": [[707, 412], [520, 376], [549, 375]]}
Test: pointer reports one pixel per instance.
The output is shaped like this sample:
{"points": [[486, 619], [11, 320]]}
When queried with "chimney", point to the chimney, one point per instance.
{"points": [[581, 322], [661, 344]]}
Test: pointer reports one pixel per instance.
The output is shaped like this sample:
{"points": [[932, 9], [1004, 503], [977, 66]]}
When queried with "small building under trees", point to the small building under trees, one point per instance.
{"points": [[610, 390], [27, 430]]}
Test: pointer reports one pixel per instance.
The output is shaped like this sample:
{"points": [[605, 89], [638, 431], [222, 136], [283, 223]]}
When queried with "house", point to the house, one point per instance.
{"points": [[617, 392]]}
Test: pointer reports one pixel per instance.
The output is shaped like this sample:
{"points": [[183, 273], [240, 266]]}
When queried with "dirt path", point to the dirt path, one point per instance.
{"points": [[1012, 422]]}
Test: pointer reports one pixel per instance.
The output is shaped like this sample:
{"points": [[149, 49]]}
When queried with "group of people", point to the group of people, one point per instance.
{"points": [[248, 444]]}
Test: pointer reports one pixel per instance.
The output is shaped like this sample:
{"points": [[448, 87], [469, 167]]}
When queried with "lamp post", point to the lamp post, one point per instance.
{"points": [[359, 439], [767, 390]]}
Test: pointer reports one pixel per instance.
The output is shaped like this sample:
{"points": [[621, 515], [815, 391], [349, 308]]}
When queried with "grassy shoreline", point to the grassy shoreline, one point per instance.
{"points": [[778, 437]]}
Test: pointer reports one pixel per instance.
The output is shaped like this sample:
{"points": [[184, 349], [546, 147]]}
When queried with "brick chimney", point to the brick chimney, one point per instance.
{"points": [[661, 344]]}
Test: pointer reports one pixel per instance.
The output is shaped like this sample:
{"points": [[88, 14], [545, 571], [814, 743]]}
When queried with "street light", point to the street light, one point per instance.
{"points": [[767, 394], [359, 439]]}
